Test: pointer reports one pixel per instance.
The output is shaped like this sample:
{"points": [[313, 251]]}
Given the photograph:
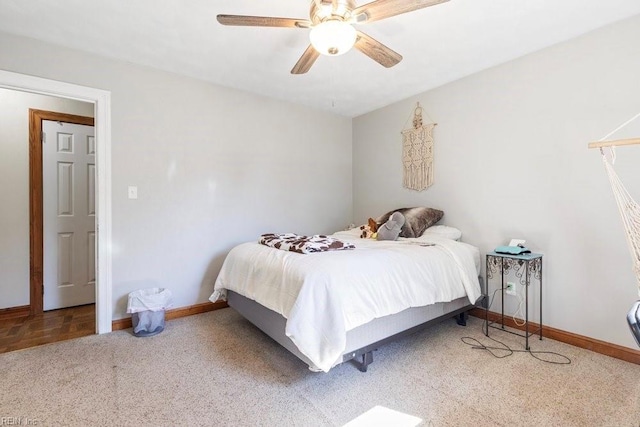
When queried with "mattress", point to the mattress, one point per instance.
{"points": [[325, 295]]}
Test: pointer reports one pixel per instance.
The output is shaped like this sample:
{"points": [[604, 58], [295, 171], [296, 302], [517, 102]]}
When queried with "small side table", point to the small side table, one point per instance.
{"points": [[524, 266]]}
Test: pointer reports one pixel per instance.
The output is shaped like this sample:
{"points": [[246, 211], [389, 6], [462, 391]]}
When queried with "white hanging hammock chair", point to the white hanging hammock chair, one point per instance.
{"points": [[629, 212]]}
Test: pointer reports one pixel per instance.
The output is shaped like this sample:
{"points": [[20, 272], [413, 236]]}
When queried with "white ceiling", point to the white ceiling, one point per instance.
{"points": [[439, 44]]}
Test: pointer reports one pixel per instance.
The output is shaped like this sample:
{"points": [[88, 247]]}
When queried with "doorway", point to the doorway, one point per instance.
{"points": [[102, 102], [62, 210]]}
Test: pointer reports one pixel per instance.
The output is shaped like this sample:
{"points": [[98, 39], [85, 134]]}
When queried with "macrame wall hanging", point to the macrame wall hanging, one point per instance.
{"points": [[417, 153]]}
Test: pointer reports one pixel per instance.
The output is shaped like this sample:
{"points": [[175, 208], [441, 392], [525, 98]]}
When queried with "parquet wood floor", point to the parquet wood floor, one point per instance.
{"points": [[48, 327]]}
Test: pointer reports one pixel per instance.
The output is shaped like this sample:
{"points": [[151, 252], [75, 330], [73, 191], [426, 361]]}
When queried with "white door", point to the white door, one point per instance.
{"points": [[68, 173]]}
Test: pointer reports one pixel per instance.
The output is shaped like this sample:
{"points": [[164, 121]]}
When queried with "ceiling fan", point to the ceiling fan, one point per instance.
{"points": [[332, 31]]}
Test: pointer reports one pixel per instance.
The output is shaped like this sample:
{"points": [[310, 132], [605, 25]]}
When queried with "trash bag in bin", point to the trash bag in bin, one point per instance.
{"points": [[147, 308]]}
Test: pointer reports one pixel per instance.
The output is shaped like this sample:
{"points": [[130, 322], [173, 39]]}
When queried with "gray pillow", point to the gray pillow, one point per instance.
{"points": [[416, 220]]}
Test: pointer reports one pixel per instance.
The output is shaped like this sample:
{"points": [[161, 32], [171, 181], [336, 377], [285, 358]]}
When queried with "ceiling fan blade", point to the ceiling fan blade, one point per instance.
{"points": [[262, 21], [306, 61], [381, 9], [376, 50]]}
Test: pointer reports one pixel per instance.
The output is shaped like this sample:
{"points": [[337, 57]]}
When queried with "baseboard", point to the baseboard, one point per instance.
{"points": [[14, 312], [174, 313], [602, 347]]}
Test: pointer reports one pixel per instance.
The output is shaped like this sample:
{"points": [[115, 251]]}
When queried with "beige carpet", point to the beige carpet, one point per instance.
{"points": [[217, 369]]}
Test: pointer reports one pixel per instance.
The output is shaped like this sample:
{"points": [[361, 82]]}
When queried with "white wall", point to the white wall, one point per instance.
{"points": [[14, 186], [214, 167], [511, 160]]}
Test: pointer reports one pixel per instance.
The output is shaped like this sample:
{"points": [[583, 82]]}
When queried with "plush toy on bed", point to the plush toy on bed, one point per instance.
{"points": [[390, 230], [368, 231]]}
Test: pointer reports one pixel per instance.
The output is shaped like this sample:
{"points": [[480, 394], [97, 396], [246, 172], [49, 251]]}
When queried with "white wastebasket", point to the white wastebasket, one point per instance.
{"points": [[147, 307]]}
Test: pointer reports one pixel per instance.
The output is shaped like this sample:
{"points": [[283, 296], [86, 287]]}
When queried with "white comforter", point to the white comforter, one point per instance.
{"points": [[324, 295]]}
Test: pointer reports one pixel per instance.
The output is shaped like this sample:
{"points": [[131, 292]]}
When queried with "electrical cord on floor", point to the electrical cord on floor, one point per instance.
{"points": [[477, 345], [518, 311]]}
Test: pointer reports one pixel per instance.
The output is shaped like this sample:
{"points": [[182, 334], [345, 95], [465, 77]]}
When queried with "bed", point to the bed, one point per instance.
{"points": [[330, 307]]}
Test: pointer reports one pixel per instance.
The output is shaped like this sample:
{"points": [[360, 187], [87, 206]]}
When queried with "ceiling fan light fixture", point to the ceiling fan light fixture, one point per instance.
{"points": [[333, 37]]}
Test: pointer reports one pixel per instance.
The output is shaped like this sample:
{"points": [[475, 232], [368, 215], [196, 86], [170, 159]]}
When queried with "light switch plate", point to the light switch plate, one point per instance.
{"points": [[132, 192]]}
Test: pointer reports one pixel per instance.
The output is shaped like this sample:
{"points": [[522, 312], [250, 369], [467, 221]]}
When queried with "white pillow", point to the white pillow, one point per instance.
{"points": [[443, 231]]}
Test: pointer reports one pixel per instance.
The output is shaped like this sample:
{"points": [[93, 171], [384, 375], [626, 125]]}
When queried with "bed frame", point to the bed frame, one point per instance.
{"points": [[363, 340]]}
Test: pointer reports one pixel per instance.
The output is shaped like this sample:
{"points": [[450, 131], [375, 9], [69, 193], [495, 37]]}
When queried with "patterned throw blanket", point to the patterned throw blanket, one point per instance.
{"points": [[303, 244]]}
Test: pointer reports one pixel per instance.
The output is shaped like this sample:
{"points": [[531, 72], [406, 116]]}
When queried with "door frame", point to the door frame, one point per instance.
{"points": [[102, 114], [36, 202]]}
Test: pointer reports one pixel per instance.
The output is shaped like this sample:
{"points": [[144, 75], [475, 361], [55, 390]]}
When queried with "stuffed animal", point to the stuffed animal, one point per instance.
{"points": [[368, 231], [390, 230]]}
